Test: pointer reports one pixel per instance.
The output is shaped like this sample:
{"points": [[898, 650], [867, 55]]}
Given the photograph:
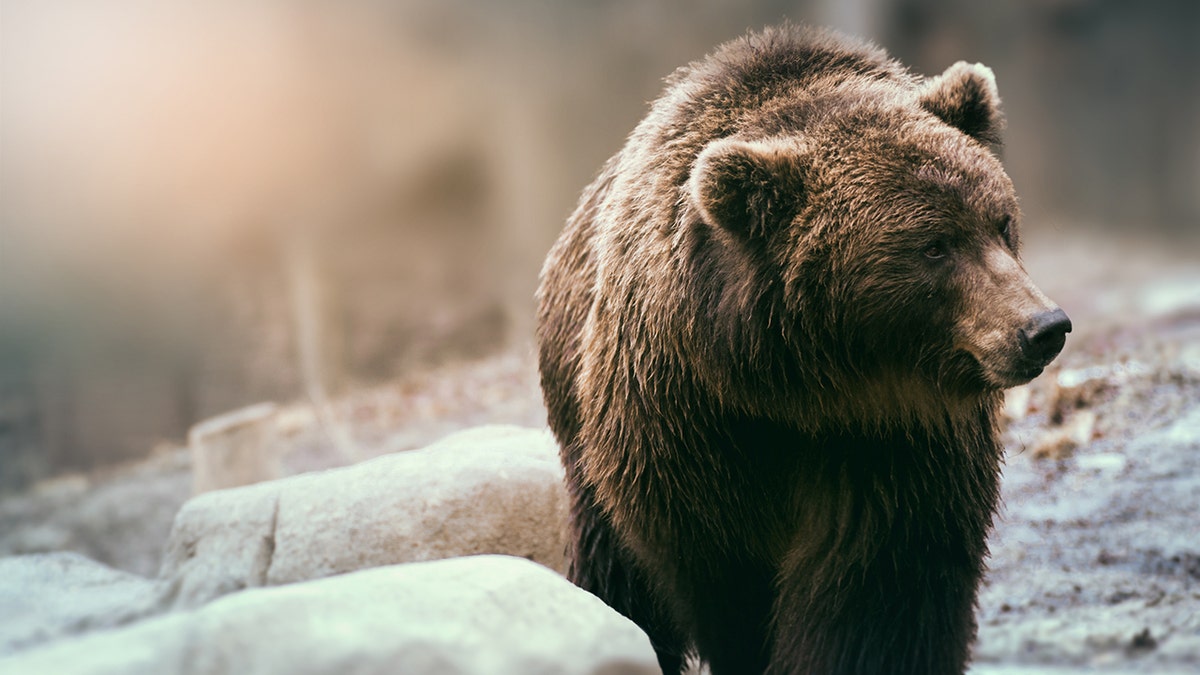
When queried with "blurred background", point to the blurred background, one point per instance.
{"points": [[208, 204]]}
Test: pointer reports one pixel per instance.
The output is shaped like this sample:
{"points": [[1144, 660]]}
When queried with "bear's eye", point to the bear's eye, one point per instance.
{"points": [[936, 250], [1006, 228]]}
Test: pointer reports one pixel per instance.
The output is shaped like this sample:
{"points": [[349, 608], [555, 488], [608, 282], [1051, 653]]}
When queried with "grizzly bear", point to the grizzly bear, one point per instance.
{"points": [[772, 342]]}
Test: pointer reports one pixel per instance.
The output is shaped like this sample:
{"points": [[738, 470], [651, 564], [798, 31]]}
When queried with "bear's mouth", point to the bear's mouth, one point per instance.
{"points": [[1001, 378], [1019, 377]]}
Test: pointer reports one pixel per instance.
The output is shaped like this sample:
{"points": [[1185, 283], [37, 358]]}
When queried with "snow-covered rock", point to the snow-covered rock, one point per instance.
{"points": [[482, 614]]}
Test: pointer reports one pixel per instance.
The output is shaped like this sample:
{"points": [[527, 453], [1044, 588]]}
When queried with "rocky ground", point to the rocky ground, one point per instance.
{"points": [[1095, 557], [1096, 554]]}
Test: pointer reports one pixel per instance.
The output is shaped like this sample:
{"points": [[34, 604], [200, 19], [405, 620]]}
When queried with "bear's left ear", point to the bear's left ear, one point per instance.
{"points": [[965, 97], [748, 187]]}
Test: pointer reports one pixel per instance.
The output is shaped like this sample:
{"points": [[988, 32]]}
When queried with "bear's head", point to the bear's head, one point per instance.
{"points": [[892, 229]]}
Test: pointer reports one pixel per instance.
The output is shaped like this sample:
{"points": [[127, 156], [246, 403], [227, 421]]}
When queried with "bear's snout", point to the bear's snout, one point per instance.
{"points": [[1043, 338], [1011, 328]]}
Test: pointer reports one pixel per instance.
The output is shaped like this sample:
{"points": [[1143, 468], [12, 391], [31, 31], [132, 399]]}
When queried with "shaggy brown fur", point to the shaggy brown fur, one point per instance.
{"points": [[772, 342]]}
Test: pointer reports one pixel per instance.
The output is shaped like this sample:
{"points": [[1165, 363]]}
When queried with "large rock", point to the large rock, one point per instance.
{"points": [[486, 490], [484, 614], [48, 596]]}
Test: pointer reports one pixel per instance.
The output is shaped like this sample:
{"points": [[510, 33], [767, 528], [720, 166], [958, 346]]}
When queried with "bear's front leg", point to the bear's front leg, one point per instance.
{"points": [[901, 613], [729, 605], [600, 564]]}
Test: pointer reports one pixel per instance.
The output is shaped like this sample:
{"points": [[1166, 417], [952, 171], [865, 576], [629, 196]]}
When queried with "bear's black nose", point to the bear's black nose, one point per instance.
{"points": [[1045, 336]]}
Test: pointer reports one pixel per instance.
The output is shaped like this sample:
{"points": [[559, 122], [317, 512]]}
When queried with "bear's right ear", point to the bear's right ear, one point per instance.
{"points": [[748, 187], [965, 97]]}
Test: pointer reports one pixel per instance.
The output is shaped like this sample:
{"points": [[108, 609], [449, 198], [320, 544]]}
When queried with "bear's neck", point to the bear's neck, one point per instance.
{"points": [[857, 491], [863, 476]]}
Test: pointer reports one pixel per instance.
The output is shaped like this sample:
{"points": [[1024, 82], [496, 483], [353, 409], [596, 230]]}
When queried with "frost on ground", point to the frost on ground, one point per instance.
{"points": [[1096, 552], [1095, 558]]}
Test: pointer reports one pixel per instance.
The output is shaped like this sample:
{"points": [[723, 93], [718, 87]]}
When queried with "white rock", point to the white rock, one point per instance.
{"points": [[484, 614], [486, 490], [48, 596], [237, 448], [221, 542]]}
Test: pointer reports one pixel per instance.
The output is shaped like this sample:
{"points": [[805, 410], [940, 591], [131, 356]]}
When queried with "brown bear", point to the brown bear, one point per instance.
{"points": [[772, 343]]}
